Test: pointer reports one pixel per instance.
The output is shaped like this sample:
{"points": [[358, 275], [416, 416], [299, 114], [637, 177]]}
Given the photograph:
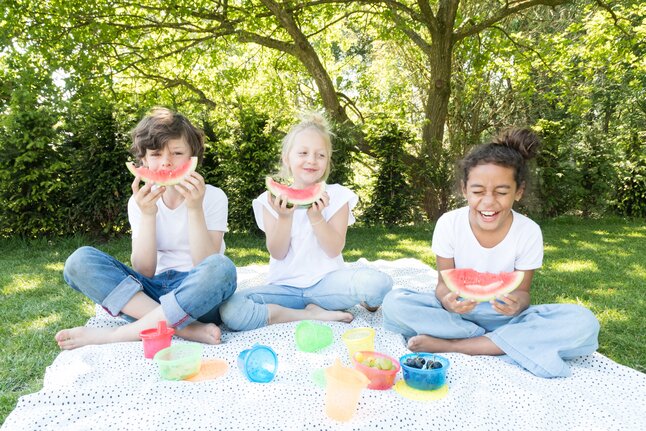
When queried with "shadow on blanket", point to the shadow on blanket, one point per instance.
{"points": [[113, 387]]}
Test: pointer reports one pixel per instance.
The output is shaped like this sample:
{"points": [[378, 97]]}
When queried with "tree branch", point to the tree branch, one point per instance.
{"points": [[510, 8]]}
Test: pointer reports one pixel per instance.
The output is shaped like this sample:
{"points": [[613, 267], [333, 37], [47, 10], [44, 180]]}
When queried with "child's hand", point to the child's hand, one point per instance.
{"points": [[145, 197], [509, 304], [451, 303], [279, 204], [314, 212], [192, 188]]}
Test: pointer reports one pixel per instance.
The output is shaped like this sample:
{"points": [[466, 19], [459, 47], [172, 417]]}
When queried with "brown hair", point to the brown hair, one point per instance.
{"points": [[511, 148], [162, 125]]}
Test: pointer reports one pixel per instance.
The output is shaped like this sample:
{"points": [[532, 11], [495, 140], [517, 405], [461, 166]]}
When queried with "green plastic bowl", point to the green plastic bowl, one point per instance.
{"points": [[179, 361]]}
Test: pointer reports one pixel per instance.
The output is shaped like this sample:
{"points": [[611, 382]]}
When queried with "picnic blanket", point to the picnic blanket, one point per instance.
{"points": [[113, 387]]}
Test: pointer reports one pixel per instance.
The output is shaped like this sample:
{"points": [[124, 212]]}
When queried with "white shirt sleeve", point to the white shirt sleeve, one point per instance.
{"points": [[216, 209]]}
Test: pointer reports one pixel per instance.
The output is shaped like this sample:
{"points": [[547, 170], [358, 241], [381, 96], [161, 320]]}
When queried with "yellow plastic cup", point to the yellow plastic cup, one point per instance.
{"points": [[343, 388], [359, 339]]}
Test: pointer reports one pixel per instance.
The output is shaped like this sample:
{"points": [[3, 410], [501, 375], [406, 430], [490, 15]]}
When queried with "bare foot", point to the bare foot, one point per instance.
{"points": [[426, 343], [80, 336], [207, 333], [369, 308], [471, 346], [317, 313]]}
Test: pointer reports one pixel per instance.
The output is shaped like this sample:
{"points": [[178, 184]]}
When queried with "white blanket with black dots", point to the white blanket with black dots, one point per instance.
{"points": [[113, 387]]}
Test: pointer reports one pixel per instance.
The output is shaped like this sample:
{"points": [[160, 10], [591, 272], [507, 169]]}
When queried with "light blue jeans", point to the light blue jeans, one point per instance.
{"points": [[338, 290], [184, 296], [538, 339]]}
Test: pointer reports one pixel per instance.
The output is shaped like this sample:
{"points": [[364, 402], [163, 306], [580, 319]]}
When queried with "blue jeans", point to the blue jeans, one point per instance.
{"points": [[184, 296], [338, 290], [538, 339]]}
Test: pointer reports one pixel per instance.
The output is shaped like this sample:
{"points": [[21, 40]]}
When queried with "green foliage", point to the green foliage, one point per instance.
{"points": [[343, 142], [99, 184], [559, 179], [391, 198], [31, 163], [251, 156], [630, 196]]}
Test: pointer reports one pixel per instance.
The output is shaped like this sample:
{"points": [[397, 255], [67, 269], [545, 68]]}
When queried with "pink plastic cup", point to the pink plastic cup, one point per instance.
{"points": [[156, 339]]}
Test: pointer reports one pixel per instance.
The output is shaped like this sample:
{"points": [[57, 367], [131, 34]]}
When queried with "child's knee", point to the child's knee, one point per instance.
{"points": [[221, 273], [377, 282], [392, 304], [77, 262], [233, 312]]}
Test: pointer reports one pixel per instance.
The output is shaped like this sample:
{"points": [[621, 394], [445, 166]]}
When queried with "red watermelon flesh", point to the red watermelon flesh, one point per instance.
{"points": [[163, 177], [298, 197], [481, 286]]}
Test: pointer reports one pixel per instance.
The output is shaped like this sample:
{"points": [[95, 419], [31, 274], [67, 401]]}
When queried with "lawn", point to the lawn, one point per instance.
{"points": [[597, 263]]}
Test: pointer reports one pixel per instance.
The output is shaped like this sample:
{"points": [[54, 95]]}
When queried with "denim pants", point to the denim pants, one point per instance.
{"points": [[338, 290], [538, 339], [184, 296]]}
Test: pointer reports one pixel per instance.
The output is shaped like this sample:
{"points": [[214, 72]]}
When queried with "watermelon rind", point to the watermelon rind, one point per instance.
{"points": [[168, 178], [470, 284], [296, 197]]}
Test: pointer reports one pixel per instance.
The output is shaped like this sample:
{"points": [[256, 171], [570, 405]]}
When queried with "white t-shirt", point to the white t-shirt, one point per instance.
{"points": [[521, 249], [306, 263], [173, 251]]}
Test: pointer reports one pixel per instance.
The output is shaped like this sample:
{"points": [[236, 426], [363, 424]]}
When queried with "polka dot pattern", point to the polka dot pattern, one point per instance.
{"points": [[113, 387]]}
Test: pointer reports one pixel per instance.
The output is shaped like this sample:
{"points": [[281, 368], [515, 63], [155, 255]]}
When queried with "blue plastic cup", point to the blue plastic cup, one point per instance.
{"points": [[258, 364]]}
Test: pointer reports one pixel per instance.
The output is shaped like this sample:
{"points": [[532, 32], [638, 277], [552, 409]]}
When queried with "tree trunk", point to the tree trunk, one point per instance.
{"points": [[436, 192]]}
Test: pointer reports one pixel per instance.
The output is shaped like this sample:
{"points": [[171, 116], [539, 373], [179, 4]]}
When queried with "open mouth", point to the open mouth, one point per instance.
{"points": [[488, 215]]}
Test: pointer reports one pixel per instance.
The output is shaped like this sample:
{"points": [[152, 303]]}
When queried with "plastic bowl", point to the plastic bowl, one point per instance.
{"points": [[379, 379], [311, 336], [258, 364], [423, 379], [179, 361]]}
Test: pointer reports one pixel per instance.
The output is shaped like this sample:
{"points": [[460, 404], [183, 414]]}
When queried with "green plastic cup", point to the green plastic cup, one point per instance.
{"points": [[311, 337]]}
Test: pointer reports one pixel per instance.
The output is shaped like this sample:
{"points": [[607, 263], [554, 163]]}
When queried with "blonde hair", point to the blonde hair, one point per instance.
{"points": [[312, 120]]}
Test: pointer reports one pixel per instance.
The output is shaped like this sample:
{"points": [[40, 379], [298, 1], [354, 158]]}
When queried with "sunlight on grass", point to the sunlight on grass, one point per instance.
{"points": [[23, 283], [611, 315], [43, 322], [575, 266], [55, 266]]}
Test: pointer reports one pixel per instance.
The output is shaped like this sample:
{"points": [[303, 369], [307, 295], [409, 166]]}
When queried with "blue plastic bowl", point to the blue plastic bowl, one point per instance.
{"points": [[423, 379], [258, 364]]}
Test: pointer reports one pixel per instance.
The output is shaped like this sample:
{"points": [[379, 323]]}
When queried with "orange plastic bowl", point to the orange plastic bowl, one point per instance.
{"points": [[379, 379]]}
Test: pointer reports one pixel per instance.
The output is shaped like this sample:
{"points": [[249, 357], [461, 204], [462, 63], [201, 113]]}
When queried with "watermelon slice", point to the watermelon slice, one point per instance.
{"points": [[299, 197], [163, 177], [481, 286]]}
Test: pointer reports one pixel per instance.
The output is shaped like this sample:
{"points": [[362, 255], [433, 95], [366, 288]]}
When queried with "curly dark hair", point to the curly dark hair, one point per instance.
{"points": [[511, 148]]}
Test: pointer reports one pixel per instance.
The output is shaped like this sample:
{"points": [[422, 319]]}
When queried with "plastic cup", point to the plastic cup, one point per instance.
{"points": [[359, 339], [258, 364], [379, 378], [179, 361], [311, 336], [156, 339], [342, 391]]}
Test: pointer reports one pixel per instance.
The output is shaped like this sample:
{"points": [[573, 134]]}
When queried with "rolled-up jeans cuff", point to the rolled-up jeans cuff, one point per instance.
{"points": [[177, 317], [121, 295]]}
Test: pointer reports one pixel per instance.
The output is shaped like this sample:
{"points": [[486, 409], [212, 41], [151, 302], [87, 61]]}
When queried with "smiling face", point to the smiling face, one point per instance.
{"points": [[308, 158], [491, 191], [175, 153]]}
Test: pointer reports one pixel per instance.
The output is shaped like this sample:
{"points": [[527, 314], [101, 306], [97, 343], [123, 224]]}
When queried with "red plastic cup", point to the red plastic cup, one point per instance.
{"points": [[156, 339]]}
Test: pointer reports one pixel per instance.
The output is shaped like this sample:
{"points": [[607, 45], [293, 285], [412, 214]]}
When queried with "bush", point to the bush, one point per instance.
{"points": [[32, 168], [391, 197]]}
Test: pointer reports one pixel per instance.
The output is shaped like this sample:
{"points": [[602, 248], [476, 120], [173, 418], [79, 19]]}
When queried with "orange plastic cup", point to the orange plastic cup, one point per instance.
{"points": [[342, 391]]}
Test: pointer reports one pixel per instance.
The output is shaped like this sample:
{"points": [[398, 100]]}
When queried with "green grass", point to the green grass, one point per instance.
{"points": [[597, 263]]}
